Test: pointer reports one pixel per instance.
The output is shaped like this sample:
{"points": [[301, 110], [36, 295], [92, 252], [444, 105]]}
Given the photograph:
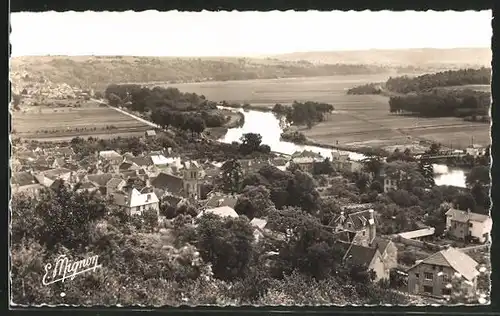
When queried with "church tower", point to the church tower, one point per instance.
{"points": [[192, 174]]}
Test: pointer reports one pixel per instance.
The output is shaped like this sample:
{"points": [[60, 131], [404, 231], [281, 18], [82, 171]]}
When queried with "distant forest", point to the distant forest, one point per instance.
{"points": [[449, 78], [443, 103], [428, 96]]}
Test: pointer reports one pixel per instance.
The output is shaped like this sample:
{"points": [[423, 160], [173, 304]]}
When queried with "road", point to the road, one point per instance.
{"points": [[126, 113]]}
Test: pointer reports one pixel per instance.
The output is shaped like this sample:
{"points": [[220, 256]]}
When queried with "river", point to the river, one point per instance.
{"points": [[267, 125]]}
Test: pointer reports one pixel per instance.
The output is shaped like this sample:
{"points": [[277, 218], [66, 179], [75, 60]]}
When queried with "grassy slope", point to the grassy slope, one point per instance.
{"points": [[98, 72]]}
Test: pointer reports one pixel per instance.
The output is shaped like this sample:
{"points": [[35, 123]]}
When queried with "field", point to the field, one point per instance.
{"points": [[358, 120], [64, 123]]}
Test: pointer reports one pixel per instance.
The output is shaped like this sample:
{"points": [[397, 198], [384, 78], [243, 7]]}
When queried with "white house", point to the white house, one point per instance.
{"points": [[475, 150], [136, 202], [461, 224]]}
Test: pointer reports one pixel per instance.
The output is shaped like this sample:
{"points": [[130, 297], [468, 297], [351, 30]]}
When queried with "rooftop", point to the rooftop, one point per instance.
{"points": [[464, 216], [455, 259]]}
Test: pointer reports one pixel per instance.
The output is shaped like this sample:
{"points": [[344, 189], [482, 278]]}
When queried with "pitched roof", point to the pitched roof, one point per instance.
{"points": [[344, 236], [223, 211], [23, 178], [100, 179], [54, 173], [360, 255], [139, 199], [218, 200], [464, 216], [429, 231], [171, 183], [114, 182], [172, 200], [455, 259], [380, 243], [141, 161], [150, 132], [86, 186], [191, 164], [110, 154], [135, 198], [260, 223], [128, 166], [361, 219], [160, 160]]}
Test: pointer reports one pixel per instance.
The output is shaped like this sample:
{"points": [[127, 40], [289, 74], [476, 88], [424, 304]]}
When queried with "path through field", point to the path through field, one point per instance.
{"points": [[128, 114]]}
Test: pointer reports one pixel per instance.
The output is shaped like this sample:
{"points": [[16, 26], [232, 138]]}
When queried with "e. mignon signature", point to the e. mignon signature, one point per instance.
{"points": [[63, 268]]}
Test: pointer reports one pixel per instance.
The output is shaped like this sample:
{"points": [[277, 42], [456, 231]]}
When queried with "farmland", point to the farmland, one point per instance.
{"points": [[64, 123], [358, 120]]}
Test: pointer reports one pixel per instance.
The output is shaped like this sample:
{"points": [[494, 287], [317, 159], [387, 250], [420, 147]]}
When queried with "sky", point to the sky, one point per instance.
{"points": [[182, 34]]}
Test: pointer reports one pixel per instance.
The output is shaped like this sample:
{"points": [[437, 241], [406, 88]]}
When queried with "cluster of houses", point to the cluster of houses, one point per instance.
{"points": [[138, 183]]}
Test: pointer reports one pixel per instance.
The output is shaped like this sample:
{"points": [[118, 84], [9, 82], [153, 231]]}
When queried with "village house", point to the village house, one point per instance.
{"points": [[359, 228], [305, 164], [475, 150], [223, 211], [135, 202], [86, 186], [169, 184], [259, 225], [368, 257], [392, 181], [465, 224], [111, 156], [115, 185], [342, 162], [25, 182], [388, 251], [99, 180], [363, 224], [47, 178], [150, 133], [219, 199], [433, 275]]}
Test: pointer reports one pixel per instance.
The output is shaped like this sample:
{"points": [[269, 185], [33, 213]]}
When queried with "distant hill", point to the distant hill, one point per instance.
{"points": [[99, 71], [426, 57]]}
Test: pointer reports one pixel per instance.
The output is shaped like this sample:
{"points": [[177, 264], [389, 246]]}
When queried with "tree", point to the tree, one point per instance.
{"points": [[323, 167], [150, 219], [254, 201], [114, 100], [232, 176], [61, 217], [372, 164], [250, 142], [465, 201], [226, 243], [427, 171], [479, 174], [198, 125]]}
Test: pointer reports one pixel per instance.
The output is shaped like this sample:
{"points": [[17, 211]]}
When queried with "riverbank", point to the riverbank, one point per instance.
{"points": [[236, 119]]}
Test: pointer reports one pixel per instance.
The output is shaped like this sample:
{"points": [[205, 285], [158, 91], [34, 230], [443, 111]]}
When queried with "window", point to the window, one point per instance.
{"points": [[470, 225], [364, 232], [446, 278], [446, 291], [428, 289], [440, 268], [433, 267], [428, 276], [417, 275]]}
